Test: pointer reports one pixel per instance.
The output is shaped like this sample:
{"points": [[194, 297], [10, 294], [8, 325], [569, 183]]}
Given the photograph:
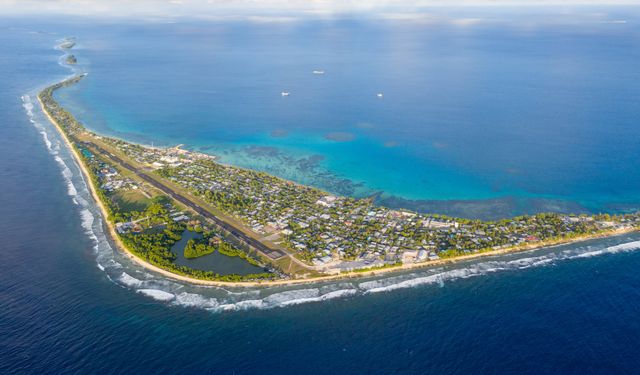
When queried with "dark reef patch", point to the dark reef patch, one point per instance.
{"points": [[309, 163], [483, 209], [305, 170], [340, 136], [262, 151], [623, 208]]}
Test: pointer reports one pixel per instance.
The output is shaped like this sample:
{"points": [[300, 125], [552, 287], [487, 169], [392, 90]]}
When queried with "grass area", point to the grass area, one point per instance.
{"points": [[132, 200], [293, 268]]}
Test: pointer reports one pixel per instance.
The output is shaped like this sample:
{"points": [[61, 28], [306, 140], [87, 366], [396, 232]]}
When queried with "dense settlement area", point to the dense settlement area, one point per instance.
{"points": [[338, 233]]}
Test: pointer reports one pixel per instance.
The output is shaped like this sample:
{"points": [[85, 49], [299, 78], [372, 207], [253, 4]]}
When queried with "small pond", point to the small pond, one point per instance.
{"points": [[216, 262]]}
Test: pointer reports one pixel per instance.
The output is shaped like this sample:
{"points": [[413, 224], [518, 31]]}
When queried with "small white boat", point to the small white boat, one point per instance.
{"points": [[285, 93], [379, 95], [318, 72]]}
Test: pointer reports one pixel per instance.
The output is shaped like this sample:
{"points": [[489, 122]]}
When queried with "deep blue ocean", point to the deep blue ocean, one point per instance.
{"points": [[557, 107]]}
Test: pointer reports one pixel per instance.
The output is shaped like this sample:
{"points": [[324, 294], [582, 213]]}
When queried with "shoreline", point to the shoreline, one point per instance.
{"points": [[113, 237]]}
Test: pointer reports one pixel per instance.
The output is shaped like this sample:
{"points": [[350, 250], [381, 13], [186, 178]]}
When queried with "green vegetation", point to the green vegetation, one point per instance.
{"points": [[195, 249], [65, 120], [375, 268], [207, 245], [228, 250], [130, 201]]}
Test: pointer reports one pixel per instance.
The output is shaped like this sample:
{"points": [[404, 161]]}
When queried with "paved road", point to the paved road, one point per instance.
{"points": [[235, 232]]}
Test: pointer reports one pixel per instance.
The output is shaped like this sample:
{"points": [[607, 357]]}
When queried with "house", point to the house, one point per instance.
{"points": [[409, 256], [422, 255]]}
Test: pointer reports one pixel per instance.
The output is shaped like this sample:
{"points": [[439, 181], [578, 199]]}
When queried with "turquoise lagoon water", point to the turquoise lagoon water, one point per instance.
{"points": [[481, 121]]}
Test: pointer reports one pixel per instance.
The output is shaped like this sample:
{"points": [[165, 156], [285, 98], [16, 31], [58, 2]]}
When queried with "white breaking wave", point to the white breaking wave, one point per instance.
{"points": [[384, 285], [196, 300], [71, 189], [487, 267], [67, 175], [157, 294], [27, 104], [53, 149], [242, 305], [249, 292], [66, 172], [281, 299], [129, 280], [81, 201], [290, 296], [87, 221], [76, 186], [622, 248], [324, 297]]}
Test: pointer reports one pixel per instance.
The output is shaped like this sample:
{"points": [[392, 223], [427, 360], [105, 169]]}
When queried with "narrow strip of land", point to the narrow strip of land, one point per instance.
{"points": [[342, 237]]}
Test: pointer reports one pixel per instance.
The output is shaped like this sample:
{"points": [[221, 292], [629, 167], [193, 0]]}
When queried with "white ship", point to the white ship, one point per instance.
{"points": [[285, 93], [318, 72], [379, 95]]}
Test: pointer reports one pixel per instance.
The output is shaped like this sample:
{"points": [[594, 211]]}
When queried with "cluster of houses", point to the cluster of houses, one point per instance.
{"points": [[112, 181], [130, 227], [138, 225], [158, 157], [178, 216], [336, 233]]}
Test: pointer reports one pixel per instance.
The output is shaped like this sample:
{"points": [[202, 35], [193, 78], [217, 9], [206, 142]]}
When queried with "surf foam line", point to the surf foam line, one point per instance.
{"points": [[437, 277], [90, 219], [488, 267]]}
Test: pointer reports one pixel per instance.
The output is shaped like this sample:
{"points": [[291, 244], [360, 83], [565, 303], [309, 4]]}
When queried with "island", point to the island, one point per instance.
{"points": [[151, 196], [67, 43]]}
